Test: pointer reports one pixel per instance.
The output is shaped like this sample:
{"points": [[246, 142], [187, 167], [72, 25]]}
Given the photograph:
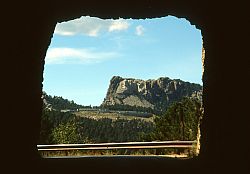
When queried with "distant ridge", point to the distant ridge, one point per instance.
{"points": [[58, 103], [154, 94]]}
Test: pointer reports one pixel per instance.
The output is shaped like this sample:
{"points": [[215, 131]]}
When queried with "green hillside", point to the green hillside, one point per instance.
{"points": [[94, 125]]}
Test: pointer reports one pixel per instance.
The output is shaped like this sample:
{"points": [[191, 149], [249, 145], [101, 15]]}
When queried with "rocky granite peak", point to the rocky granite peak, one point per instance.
{"points": [[155, 94]]}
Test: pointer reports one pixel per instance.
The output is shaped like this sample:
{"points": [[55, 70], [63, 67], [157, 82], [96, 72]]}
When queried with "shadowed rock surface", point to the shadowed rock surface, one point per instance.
{"points": [[155, 94]]}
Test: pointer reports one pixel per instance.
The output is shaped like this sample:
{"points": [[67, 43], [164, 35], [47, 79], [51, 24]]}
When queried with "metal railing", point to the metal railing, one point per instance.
{"points": [[110, 146]]}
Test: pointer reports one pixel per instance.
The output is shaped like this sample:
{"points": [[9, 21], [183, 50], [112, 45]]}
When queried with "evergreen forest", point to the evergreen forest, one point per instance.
{"points": [[179, 122]]}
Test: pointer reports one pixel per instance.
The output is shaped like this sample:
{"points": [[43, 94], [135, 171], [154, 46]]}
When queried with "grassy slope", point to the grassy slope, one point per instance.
{"points": [[115, 115]]}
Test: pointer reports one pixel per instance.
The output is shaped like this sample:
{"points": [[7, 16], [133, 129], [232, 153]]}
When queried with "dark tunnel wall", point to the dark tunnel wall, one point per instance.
{"points": [[29, 28]]}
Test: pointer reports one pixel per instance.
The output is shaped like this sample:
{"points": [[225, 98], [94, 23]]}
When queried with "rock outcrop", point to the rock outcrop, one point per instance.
{"points": [[155, 94]]}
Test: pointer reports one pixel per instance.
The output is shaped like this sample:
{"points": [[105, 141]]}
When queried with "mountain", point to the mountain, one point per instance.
{"points": [[156, 94], [59, 103]]}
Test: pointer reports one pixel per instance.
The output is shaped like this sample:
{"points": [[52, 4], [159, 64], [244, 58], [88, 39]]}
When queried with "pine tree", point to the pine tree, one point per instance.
{"points": [[180, 122]]}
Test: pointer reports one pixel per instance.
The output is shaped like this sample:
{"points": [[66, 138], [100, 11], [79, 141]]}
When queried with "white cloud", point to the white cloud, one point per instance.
{"points": [[139, 30], [76, 56], [118, 25], [90, 26], [65, 33]]}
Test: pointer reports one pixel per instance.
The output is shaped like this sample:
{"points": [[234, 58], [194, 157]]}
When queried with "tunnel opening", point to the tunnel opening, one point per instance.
{"points": [[64, 127]]}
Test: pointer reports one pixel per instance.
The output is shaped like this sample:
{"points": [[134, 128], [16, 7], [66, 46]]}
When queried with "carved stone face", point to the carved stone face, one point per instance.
{"points": [[141, 87], [127, 87]]}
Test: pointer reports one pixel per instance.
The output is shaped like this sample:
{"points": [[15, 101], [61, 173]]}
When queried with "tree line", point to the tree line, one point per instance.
{"points": [[123, 107], [59, 103], [179, 122], [58, 127]]}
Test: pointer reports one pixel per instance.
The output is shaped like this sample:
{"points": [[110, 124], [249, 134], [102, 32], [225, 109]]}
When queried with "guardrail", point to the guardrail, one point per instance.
{"points": [[110, 146]]}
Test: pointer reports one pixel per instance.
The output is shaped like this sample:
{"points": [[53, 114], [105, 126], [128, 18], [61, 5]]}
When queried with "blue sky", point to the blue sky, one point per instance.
{"points": [[87, 52]]}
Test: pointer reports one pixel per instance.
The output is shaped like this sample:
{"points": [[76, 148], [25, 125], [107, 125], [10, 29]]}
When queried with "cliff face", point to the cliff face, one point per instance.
{"points": [[155, 94]]}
